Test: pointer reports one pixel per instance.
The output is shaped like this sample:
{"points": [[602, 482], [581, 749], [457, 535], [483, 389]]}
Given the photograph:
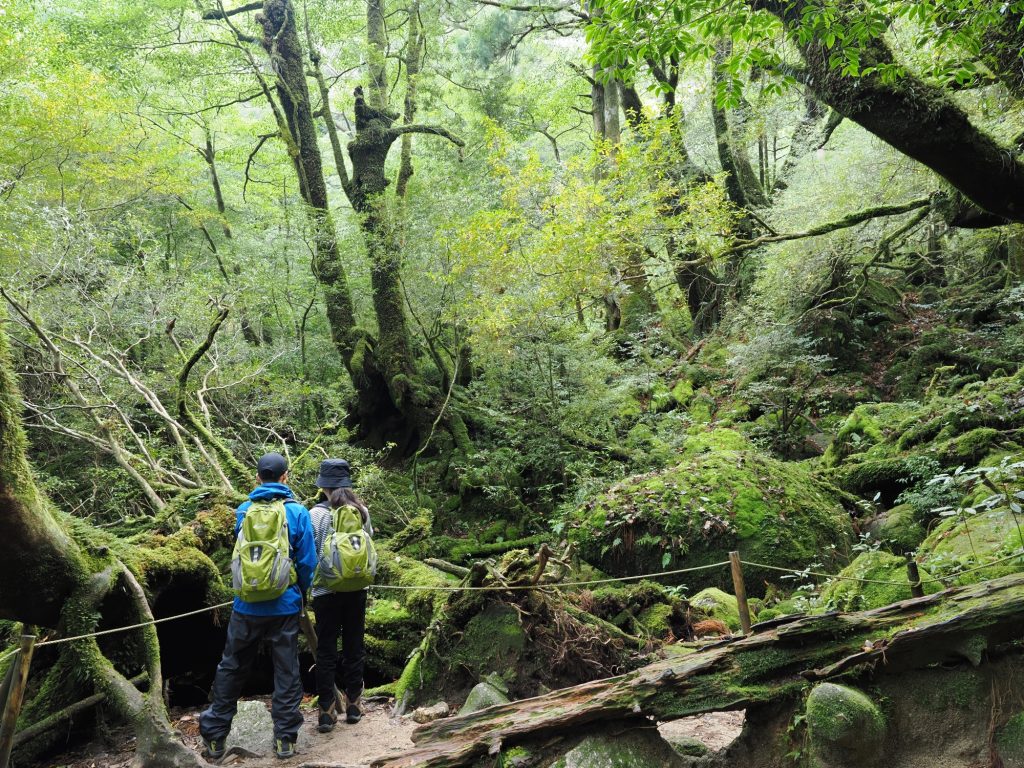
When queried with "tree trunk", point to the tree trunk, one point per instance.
{"points": [[281, 41], [918, 119], [771, 667]]}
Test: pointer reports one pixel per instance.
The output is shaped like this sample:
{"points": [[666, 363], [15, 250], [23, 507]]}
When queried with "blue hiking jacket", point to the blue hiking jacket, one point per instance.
{"points": [[303, 552]]}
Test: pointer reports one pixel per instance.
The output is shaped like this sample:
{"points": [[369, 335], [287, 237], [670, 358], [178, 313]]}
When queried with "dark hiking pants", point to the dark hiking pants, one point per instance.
{"points": [[341, 613], [244, 635]]}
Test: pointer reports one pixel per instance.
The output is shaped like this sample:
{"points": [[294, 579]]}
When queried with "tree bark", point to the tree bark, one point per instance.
{"points": [[918, 119]]}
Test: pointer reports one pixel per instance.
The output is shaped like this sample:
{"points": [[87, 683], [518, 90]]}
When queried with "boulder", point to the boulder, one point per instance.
{"points": [[885, 582], [252, 729], [846, 729], [487, 693], [718, 605], [724, 495]]}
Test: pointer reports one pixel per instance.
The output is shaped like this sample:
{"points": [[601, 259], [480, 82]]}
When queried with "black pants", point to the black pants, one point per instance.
{"points": [[244, 635], [341, 613]]}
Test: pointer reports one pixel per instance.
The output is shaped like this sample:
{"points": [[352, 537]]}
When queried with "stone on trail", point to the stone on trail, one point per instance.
{"points": [[252, 730], [429, 714]]}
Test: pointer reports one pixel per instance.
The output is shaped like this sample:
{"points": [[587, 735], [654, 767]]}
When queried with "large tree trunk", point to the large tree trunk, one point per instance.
{"points": [[918, 119], [771, 667]]}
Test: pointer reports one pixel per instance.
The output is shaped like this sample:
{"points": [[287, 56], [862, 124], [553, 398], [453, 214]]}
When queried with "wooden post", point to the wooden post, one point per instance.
{"points": [[14, 698], [739, 588], [916, 588]]}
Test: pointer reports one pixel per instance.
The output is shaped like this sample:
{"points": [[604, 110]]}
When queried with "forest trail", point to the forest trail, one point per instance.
{"points": [[377, 735]]}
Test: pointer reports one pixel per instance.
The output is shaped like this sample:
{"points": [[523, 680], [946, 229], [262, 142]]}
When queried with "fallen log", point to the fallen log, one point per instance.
{"points": [[774, 664]]}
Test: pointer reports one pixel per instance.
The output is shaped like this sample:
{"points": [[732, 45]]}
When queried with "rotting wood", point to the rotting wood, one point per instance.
{"points": [[772, 665]]}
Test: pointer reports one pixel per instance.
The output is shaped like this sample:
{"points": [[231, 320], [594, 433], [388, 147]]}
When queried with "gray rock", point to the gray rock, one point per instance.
{"points": [[252, 729], [431, 713], [482, 696]]}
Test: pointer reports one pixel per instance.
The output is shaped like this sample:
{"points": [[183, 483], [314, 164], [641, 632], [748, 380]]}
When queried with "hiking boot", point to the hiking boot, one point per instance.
{"points": [[327, 720], [353, 714], [213, 748], [284, 748]]}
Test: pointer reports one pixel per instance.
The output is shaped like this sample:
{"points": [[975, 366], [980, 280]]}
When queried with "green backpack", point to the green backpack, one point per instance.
{"points": [[261, 566], [348, 561]]}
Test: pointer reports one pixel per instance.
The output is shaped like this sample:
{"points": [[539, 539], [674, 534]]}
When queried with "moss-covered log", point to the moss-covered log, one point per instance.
{"points": [[774, 665]]}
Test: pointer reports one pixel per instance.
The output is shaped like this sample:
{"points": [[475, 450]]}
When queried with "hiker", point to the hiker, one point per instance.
{"points": [[339, 593], [272, 567]]}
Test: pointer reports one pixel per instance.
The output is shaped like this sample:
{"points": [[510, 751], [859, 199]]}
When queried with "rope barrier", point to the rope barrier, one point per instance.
{"points": [[517, 587], [559, 584], [879, 581]]}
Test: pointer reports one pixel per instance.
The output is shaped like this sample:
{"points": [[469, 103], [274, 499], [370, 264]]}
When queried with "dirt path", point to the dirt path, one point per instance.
{"points": [[377, 734]]}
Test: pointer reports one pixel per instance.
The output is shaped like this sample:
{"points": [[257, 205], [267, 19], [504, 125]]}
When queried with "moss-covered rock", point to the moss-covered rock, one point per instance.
{"points": [[885, 582], [874, 449], [965, 541], [900, 529], [687, 746], [724, 495], [713, 603], [845, 727], [638, 748]]}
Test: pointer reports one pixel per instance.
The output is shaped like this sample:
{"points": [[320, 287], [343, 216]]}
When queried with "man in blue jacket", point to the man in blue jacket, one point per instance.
{"points": [[276, 621]]}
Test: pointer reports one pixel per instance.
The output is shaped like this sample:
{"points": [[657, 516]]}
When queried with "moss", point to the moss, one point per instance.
{"points": [[1009, 741], [723, 496], [844, 725], [636, 748], [963, 542], [656, 620], [682, 392], [901, 530], [493, 641], [715, 604], [876, 447], [845, 594]]}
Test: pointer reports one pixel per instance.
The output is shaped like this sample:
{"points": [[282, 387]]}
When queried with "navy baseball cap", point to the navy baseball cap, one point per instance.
{"points": [[271, 466]]}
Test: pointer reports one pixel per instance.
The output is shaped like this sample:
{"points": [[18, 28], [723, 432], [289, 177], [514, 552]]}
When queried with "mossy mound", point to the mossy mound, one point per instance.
{"points": [[900, 529], [713, 603], [723, 496], [875, 448], [844, 726], [885, 582], [965, 541]]}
